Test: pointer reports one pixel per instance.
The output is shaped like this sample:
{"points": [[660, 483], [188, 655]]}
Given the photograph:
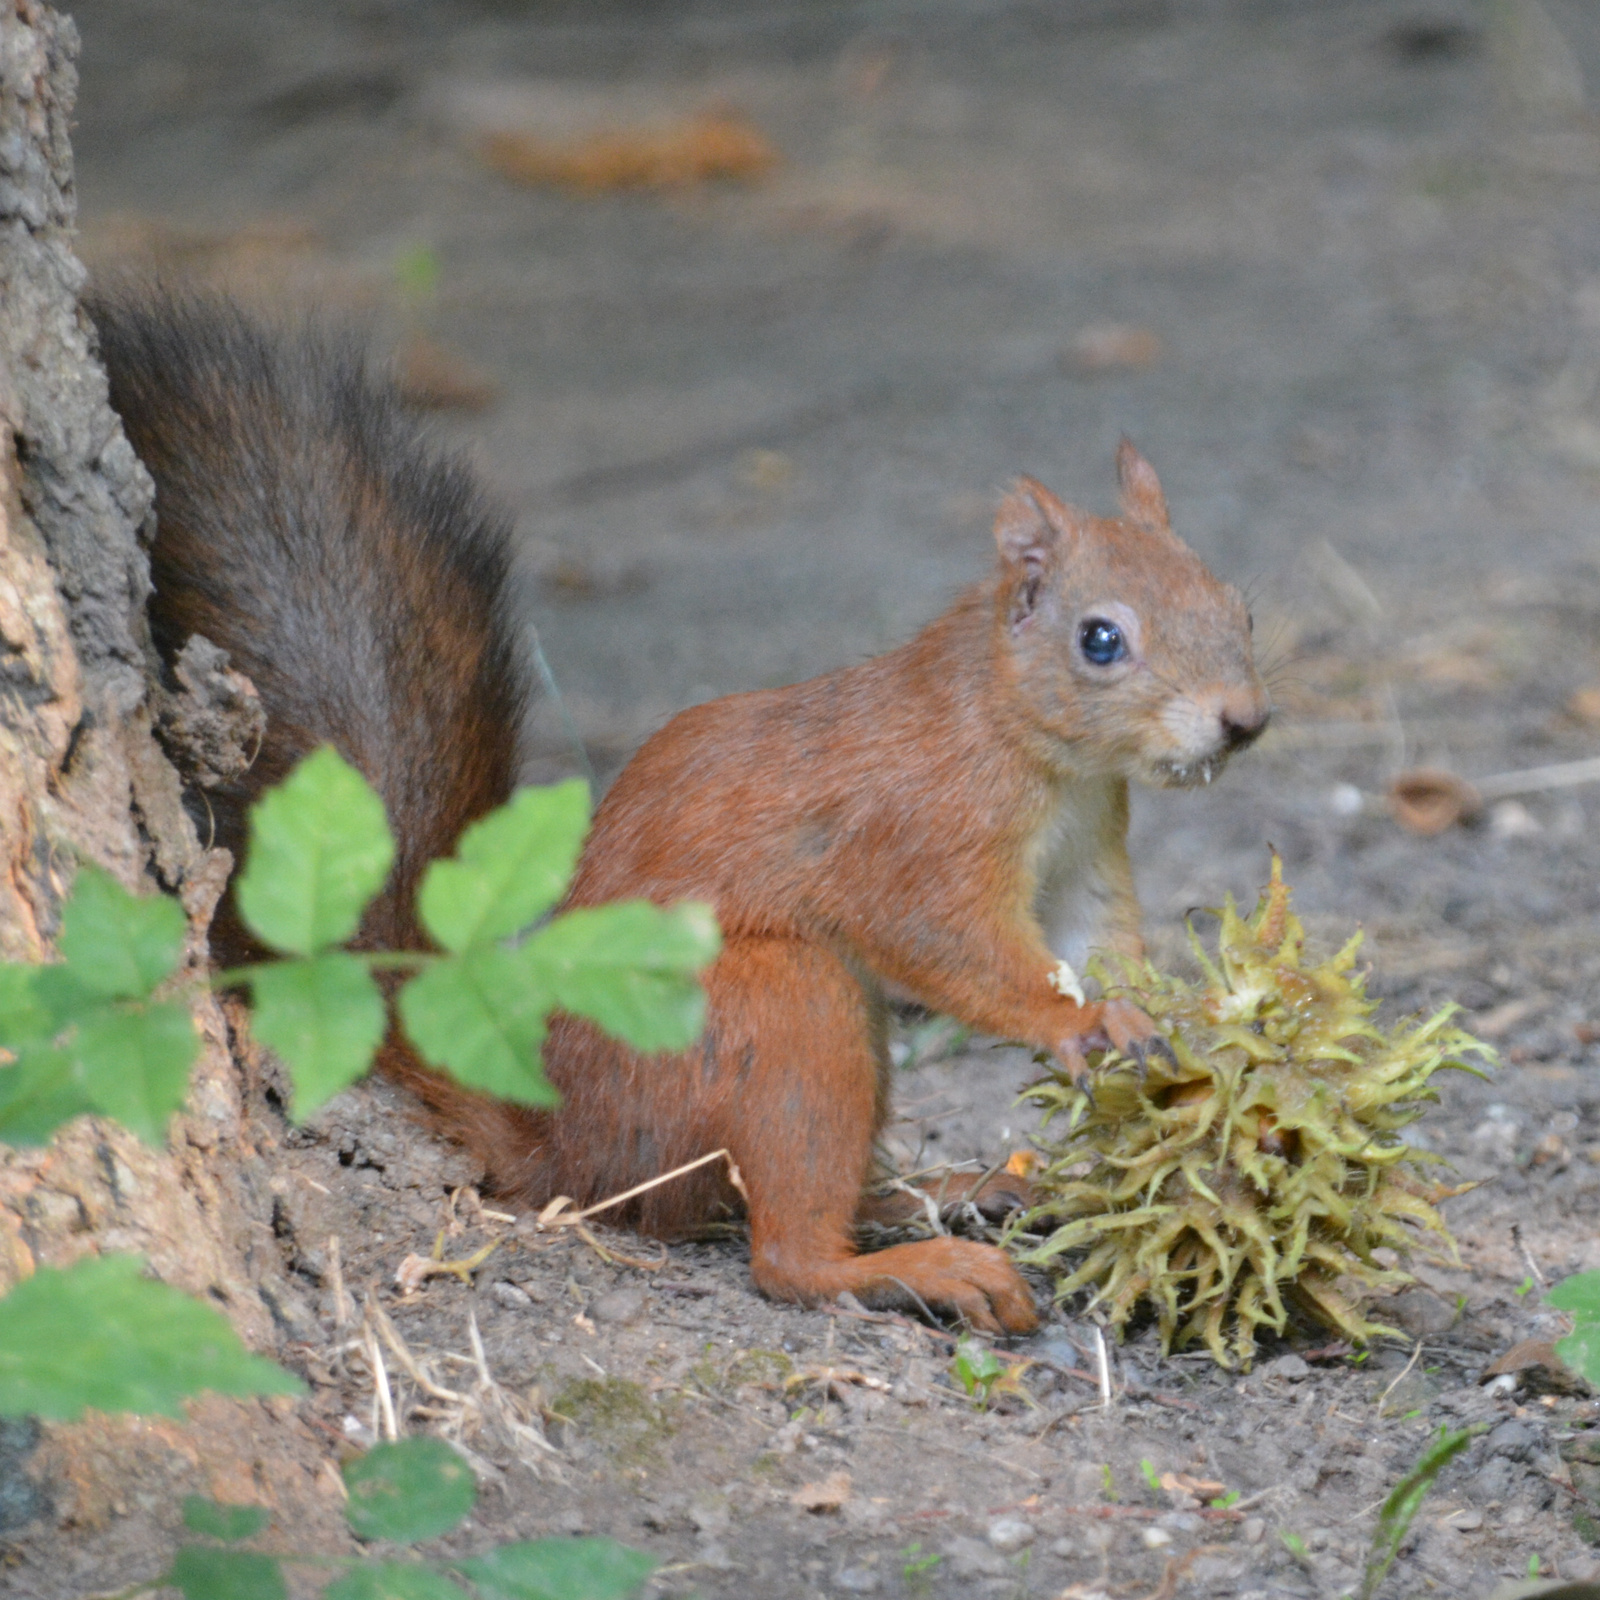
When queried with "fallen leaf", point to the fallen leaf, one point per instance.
{"points": [[1585, 705], [832, 1379], [1336, 1351], [764, 469], [1499, 1021], [1537, 1368], [1427, 800], [1200, 1488], [828, 1495], [711, 144], [434, 378], [1111, 347]]}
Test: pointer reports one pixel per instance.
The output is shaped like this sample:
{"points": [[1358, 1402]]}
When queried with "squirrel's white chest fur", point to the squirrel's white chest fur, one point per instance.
{"points": [[1073, 899]]}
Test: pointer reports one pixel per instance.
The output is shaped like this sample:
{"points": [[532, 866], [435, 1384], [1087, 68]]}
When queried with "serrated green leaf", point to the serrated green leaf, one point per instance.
{"points": [[393, 1580], [410, 1490], [481, 1017], [630, 968], [100, 1334], [134, 1065], [63, 997], [560, 1569], [319, 850], [25, 1018], [1579, 1294], [510, 868], [202, 1573], [324, 1016], [37, 1094], [219, 1521], [118, 945]]}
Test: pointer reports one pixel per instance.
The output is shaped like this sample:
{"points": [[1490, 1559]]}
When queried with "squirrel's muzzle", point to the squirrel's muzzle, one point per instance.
{"points": [[1243, 718]]}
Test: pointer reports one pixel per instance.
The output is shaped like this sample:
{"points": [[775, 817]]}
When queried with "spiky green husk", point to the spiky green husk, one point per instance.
{"points": [[1261, 1167]]}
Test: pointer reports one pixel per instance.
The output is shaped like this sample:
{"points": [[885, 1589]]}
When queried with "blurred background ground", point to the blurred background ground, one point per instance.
{"points": [[1334, 266]]}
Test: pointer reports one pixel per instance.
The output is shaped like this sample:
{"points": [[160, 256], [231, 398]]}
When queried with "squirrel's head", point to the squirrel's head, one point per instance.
{"points": [[1124, 648]]}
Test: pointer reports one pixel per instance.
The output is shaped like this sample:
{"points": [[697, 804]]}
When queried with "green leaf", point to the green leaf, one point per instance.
{"points": [[1579, 1294], [324, 1016], [319, 850], [219, 1521], [1405, 1501], [560, 1569], [134, 1065], [393, 1580], [414, 1489], [64, 997], [25, 1018], [630, 968], [119, 945], [206, 1574], [480, 1016], [510, 868], [1581, 1350], [39, 1093], [99, 1334]]}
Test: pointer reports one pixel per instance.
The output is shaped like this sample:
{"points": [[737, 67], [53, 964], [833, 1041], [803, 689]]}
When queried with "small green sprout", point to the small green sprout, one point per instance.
{"points": [[977, 1369], [1296, 1546], [1151, 1476], [916, 1561], [1226, 1502], [1523, 1288], [417, 271], [1405, 1501]]}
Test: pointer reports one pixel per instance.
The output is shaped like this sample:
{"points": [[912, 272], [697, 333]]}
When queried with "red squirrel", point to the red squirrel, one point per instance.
{"points": [[905, 822]]}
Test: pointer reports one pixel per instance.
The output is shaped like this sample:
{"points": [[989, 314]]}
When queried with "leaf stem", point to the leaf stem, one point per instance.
{"points": [[373, 960]]}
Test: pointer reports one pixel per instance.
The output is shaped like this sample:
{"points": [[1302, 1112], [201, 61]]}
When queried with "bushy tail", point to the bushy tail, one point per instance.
{"points": [[355, 576]]}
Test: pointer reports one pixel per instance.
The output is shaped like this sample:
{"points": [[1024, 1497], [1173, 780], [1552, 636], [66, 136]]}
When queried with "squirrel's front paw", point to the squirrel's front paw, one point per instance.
{"points": [[1111, 1025]]}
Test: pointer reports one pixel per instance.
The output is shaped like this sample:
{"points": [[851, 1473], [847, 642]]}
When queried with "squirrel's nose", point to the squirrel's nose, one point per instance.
{"points": [[1243, 719]]}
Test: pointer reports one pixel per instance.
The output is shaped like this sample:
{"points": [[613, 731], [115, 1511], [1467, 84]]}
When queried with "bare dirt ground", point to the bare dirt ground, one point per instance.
{"points": [[753, 431]]}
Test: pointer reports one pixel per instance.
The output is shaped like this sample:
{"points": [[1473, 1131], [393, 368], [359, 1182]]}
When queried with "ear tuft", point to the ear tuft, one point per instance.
{"points": [[1142, 499], [1030, 526]]}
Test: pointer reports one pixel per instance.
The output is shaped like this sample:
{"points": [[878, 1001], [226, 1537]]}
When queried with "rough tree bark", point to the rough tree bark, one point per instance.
{"points": [[82, 776]]}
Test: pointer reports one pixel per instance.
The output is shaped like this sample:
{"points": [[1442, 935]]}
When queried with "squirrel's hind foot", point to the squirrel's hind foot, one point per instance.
{"points": [[974, 1283]]}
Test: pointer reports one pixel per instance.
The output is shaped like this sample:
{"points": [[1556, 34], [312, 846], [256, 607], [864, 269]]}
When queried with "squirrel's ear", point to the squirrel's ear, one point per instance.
{"points": [[1031, 526], [1142, 499]]}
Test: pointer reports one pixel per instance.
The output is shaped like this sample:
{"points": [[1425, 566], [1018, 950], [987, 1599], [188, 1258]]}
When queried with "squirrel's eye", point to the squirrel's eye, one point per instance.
{"points": [[1101, 642]]}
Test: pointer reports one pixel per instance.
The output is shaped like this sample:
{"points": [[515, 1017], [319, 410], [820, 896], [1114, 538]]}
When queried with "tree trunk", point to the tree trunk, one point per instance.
{"points": [[82, 776]]}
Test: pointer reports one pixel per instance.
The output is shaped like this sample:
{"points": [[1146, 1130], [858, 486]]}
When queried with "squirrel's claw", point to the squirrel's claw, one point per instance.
{"points": [[1120, 1026], [1072, 1054], [1130, 1031]]}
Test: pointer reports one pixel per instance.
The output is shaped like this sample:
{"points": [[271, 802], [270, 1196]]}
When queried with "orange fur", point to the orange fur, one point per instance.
{"points": [[901, 824], [887, 823]]}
